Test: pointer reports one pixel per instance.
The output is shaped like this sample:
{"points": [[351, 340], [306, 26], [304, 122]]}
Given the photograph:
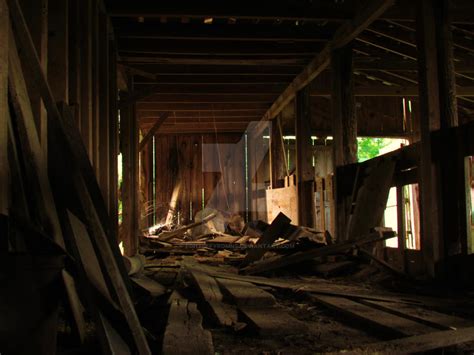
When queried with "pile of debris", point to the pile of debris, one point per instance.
{"points": [[231, 238]]}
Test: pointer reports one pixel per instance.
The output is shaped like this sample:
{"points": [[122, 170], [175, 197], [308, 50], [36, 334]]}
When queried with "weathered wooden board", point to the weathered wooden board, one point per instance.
{"points": [[283, 200], [225, 239], [275, 230], [271, 321], [184, 333], [246, 294], [279, 262], [154, 288], [372, 195], [420, 343], [431, 318], [382, 323], [222, 314]]}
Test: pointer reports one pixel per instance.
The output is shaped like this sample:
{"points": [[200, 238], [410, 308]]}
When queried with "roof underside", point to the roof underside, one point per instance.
{"points": [[218, 65]]}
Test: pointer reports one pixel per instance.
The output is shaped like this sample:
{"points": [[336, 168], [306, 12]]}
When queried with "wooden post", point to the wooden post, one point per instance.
{"points": [[277, 155], [104, 107], [431, 225], [36, 16], [4, 48], [304, 159], [58, 49], [130, 208], [75, 59], [85, 31], [401, 226], [96, 77], [113, 139], [452, 161], [344, 126]]}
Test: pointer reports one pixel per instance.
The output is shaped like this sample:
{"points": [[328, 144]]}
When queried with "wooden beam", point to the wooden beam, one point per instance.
{"points": [[86, 75], [218, 89], [268, 10], [212, 32], [104, 108], [216, 79], [217, 47], [95, 131], [153, 130], [344, 35], [344, 126], [198, 98], [277, 155], [58, 49], [4, 48], [165, 70], [129, 136], [388, 91], [279, 262], [233, 9], [211, 61], [431, 239], [75, 68], [201, 107], [113, 138], [304, 159]]}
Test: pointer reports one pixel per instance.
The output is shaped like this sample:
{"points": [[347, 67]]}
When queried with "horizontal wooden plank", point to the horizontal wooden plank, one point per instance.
{"points": [[210, 292], [198, 98], [431, 318], [210, 61], [246, 294], [201, 107], [205, 32], [216, 47], [420, 343], [380, 322], [272, 321]]}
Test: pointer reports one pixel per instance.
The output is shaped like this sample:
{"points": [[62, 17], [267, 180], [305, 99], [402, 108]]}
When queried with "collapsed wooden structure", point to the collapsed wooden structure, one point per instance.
{"points": [[242, 112]]}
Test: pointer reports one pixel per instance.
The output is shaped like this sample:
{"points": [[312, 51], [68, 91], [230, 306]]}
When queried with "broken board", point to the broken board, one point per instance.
{"points": [[184, 334], [221, 313]]}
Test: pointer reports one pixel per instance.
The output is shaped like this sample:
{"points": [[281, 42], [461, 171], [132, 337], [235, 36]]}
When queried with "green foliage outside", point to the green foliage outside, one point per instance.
{"points": [[368, 148]]}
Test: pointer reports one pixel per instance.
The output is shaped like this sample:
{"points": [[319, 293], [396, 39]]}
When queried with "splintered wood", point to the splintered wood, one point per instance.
{"points": [[184, 333]]}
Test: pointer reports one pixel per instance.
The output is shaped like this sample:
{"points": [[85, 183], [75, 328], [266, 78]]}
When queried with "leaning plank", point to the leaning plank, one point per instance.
{"points": [[381, 322], [184, 332], [373, 195], [246, 294], [36, 165], [275, 230], [222, 314], [271, 321], [279, 262], [105, 251], [96, 226], [420, 343]]}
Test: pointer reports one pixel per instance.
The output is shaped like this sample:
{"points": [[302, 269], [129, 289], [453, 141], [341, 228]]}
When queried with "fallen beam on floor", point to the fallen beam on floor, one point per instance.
{"points": [[280, 262]]}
